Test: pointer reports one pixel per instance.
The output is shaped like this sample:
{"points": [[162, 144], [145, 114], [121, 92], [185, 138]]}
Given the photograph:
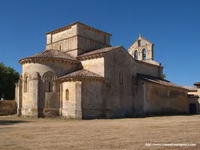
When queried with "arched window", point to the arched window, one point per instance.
{"points": [[26, 75], [48, 79], [136, 54], [67, 94], [144, 54], [25, 84]]}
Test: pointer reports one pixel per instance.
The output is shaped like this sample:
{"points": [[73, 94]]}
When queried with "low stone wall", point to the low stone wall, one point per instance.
{"points": [[8, 107]]}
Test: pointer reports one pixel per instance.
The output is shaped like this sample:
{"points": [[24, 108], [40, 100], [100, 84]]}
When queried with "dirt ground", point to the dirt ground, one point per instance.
{"points": [[120, 134]]}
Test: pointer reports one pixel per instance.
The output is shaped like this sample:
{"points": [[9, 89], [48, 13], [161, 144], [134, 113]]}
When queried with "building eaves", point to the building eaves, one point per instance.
{"points": [[197, 83], [146, 63], [160, 81], [191, 88], [70, 25], [80, 75], [51, 54], [96, 53]]}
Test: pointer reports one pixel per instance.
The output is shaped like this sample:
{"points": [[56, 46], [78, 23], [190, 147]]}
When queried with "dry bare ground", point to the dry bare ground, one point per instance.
{"points": [[120, 134]]}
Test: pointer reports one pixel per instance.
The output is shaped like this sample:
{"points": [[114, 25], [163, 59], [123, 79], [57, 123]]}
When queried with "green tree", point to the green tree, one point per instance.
{"points": [[8, 78], [163, 76]]}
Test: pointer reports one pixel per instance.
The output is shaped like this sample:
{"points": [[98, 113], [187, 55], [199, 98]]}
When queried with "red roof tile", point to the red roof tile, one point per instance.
{"points": [[52, 54], [81, 74], [159, 81], [99, 51]]}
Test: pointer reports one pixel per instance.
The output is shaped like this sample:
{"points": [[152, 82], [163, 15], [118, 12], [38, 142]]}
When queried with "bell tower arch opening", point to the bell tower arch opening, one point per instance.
{"points": [[143, 50]]}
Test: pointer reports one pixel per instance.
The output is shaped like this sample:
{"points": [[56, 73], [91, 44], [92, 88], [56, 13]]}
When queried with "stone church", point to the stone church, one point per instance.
{"points": [[80, 75]]}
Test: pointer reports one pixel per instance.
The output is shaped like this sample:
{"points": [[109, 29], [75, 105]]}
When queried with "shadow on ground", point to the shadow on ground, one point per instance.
{"points": [[11, 122]]}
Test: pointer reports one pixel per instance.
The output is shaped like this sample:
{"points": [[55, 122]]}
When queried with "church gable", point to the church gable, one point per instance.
{"points": [[140, 42], [94, 61], [143, 50]]}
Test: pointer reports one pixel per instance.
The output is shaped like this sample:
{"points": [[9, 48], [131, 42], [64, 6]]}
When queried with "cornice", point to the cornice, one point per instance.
{"points": [[46, 59], [146, 63], [77, 36], [70, 25], [72, 79], [92, 56]]}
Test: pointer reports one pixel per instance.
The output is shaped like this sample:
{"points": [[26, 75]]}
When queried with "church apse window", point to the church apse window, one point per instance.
{"points": [[25, 84], [144, 54], [67, 95]]}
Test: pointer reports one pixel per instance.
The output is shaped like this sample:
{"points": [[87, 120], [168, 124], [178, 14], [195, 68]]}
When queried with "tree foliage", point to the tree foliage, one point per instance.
{"points": [[8, 78], [163, 76]]}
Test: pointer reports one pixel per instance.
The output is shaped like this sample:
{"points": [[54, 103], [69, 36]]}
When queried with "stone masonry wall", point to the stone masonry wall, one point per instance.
{"points": [[8, 107], [94, 65], [160, 99], [71, 106], [122, 92], [92, 99]]}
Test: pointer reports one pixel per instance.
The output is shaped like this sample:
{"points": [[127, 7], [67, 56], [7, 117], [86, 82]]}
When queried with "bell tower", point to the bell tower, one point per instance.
{"points": [[142, 50]]}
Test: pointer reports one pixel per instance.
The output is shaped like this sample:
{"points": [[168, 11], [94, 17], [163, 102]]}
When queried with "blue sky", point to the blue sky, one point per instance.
{"points": [[172, 25]]}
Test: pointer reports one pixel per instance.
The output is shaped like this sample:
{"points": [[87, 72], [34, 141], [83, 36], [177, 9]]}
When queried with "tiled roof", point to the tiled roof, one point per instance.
{"points": [[150, 64], [68, 26], [159, 81], [53, 54], [191, 88], [197, 83], [80, 74], [193, 96], [99, 51]]}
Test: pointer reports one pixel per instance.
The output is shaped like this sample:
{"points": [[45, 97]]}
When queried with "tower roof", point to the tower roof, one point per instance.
{"points": [[79, 23]]}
